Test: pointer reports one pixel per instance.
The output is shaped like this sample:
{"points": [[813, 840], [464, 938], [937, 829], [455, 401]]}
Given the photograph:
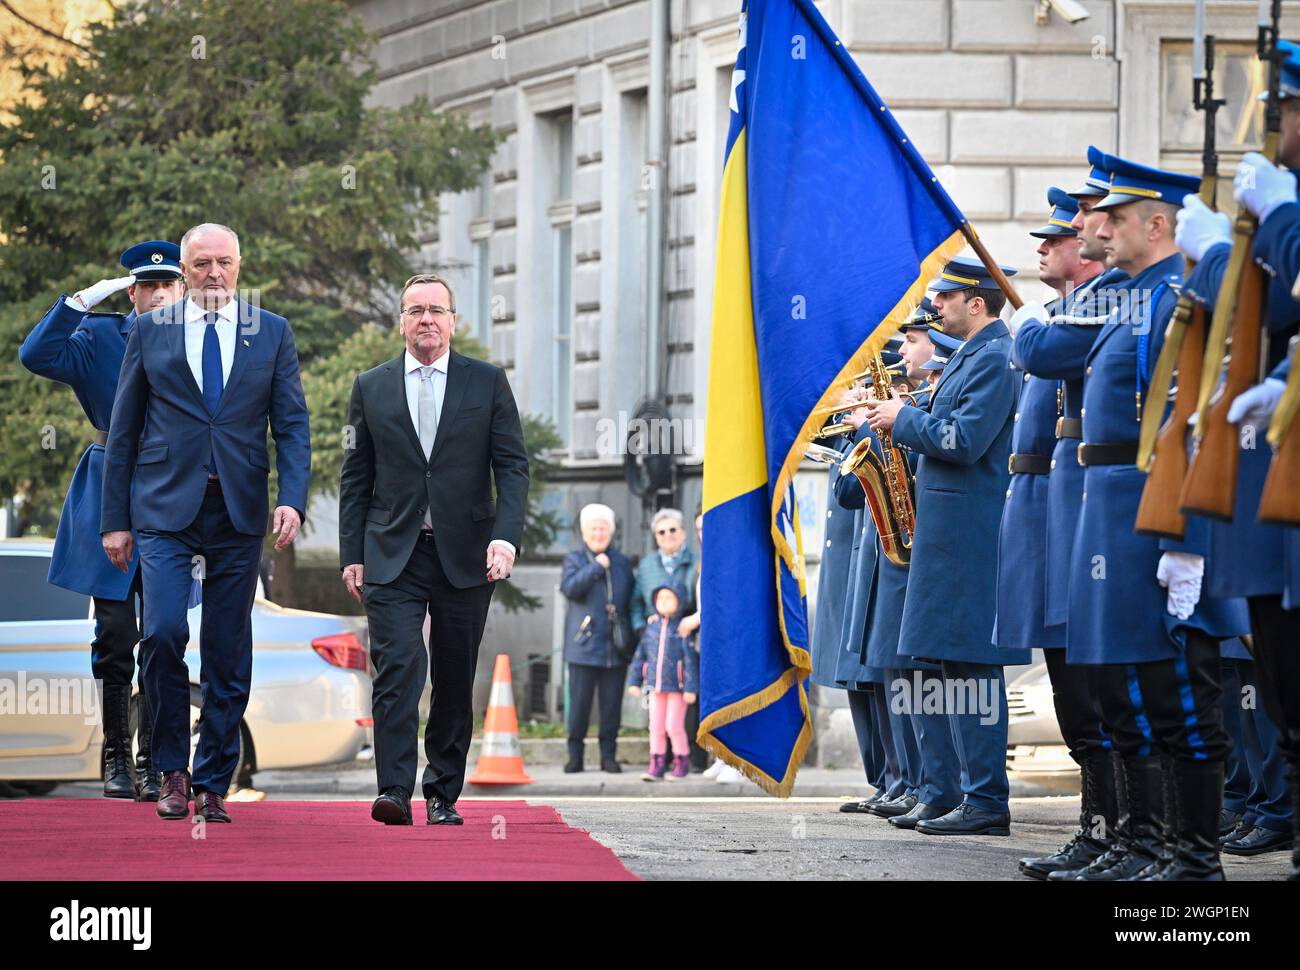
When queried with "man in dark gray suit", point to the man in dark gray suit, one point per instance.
{"points": [[430, 430]]}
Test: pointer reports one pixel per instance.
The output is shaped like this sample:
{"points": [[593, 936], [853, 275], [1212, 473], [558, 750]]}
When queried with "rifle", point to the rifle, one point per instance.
{"points": [[1280, 502], [1162, 450], [1211, 485]]}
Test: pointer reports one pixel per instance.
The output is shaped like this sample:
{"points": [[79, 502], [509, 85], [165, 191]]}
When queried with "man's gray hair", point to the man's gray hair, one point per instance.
{"points": [[674, 514], [207, 227]]}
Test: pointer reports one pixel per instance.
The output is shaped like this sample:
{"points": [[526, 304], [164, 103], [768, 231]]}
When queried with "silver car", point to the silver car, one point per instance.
{"points": [[309, 703]]}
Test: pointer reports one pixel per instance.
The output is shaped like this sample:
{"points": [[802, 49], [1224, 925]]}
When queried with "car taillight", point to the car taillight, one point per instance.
{"points": [[342, 650]]}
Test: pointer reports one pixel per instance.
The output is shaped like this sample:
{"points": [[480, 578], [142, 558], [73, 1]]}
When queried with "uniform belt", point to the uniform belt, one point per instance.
{"points": [[1117, 454], [1030, 464], [1069, 427], [101, 437]]}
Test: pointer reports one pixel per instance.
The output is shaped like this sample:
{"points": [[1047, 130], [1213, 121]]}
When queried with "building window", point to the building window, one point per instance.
{"points": [[480, 234], [1239, 125], [555, 175]]}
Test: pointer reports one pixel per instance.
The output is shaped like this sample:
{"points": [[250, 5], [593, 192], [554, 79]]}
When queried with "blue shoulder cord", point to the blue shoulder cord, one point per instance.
{"points": [[1174, 282]]}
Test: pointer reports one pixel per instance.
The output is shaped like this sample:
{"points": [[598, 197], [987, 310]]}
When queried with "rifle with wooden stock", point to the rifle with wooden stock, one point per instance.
{"points": [[1211, 485], [1162, 449], [1280, 501]]}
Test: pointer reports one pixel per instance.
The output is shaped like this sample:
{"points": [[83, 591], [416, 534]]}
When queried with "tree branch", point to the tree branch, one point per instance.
{"points": [[5, 4]]}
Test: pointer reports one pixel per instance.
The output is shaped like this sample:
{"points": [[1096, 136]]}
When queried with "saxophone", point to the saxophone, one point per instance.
{"points": [[886, 478]]}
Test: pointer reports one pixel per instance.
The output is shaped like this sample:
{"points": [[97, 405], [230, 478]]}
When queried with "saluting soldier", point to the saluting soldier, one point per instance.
{"points": [[1245, 556], [964, 439], [1136, 607], [84, 350]]}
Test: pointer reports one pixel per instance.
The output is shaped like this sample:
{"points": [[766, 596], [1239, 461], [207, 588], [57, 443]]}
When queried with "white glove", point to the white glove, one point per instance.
{"points": [[101, 291], [1256, 405], [1030, 311], [1181, 573], [1261, 186], [1199, 227]]}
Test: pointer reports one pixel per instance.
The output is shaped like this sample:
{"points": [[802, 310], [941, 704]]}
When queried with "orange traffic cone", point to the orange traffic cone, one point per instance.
{"points": [[499, 760]]}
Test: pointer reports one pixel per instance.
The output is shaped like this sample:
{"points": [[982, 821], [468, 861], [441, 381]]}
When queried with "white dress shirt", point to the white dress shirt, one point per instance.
{"points": [[227, 324], [439, 380]]}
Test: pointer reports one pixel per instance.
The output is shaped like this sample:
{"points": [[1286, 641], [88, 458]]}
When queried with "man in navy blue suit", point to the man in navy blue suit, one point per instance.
{"points": [[81, 347], [187, 468]]}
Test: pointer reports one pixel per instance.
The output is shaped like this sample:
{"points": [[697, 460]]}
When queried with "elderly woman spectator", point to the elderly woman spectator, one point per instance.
{"points": [[672, 562], [597, 581]]}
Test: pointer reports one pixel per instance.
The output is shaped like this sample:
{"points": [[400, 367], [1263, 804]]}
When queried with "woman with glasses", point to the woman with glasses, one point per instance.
{"points": [[672, 561]]}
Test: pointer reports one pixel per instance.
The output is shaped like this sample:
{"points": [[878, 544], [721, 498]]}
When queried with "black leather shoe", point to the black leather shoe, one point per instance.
{"points": [[572, 767], [859, 807], [1258, 841], [967, 820], [1071, 857], [610, 766], [442, 813], [1232, 835], [1228, 822], [894, 807], [393, 807], [921, 811]]}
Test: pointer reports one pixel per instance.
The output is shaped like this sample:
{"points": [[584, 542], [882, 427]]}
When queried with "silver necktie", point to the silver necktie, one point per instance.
{"points": [[428, 411]]}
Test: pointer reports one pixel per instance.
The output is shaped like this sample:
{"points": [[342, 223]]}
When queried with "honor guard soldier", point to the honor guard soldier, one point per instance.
{"points": [[84, 350], [1054, 346], [1025, 548], [1247, 557], [964, 440], [1135, 607]]}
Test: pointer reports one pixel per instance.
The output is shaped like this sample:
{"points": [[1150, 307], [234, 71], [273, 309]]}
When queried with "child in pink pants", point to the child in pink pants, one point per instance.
{"points": [[665, 667]]}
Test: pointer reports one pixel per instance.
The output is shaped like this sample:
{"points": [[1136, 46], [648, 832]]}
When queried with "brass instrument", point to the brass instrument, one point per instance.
{"points": [[886, 478]]}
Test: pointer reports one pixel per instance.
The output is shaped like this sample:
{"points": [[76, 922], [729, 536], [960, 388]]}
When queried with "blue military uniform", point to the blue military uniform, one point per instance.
{"points": [[84, 350], [1158, 675], [964, 439], [1052, 359]]}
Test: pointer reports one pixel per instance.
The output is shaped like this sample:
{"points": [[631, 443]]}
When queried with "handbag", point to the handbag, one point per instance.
{"points": [[617, 636]]}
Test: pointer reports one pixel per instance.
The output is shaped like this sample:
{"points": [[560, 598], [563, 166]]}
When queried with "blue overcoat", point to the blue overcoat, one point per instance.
{"points": [[964, 439], [83, 350], [1117, 608], [833, 581]]}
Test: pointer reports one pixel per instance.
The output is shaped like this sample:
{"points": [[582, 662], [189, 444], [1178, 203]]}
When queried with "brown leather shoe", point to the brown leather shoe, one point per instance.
{"points": [[211, 807], [174, 799]]}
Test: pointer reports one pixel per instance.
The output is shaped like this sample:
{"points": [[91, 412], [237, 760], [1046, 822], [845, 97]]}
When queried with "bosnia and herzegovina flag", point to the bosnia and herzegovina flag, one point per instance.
{"points": [[830, 226]]}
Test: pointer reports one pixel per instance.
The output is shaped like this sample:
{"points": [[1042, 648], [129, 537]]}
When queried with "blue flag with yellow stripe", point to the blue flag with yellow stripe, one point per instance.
{"points": [[831, 224]]}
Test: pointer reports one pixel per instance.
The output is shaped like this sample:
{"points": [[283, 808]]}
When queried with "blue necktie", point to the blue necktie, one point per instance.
{"points": [[211, 377], [212, 380]]}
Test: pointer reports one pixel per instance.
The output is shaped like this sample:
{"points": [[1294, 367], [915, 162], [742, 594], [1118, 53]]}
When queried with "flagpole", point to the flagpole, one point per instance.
{"points": [[991, 265]]}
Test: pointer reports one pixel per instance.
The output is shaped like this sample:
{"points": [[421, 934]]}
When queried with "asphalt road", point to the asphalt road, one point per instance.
{"points": [[761, 838]]}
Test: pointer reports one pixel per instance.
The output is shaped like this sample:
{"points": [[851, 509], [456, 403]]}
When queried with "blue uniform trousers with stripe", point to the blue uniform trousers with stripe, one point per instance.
{"points": [[1168, 707]]}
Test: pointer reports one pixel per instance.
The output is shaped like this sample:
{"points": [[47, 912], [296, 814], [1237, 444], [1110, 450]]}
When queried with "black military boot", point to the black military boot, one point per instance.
{"points": [[1140, 834], [1169, 827], [149, 781], [1198, 795], [119, 773], [1089, 842]]}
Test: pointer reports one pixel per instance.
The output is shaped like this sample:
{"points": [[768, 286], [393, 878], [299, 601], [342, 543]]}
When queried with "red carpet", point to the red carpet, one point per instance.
{"points": [[67, 838]]}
